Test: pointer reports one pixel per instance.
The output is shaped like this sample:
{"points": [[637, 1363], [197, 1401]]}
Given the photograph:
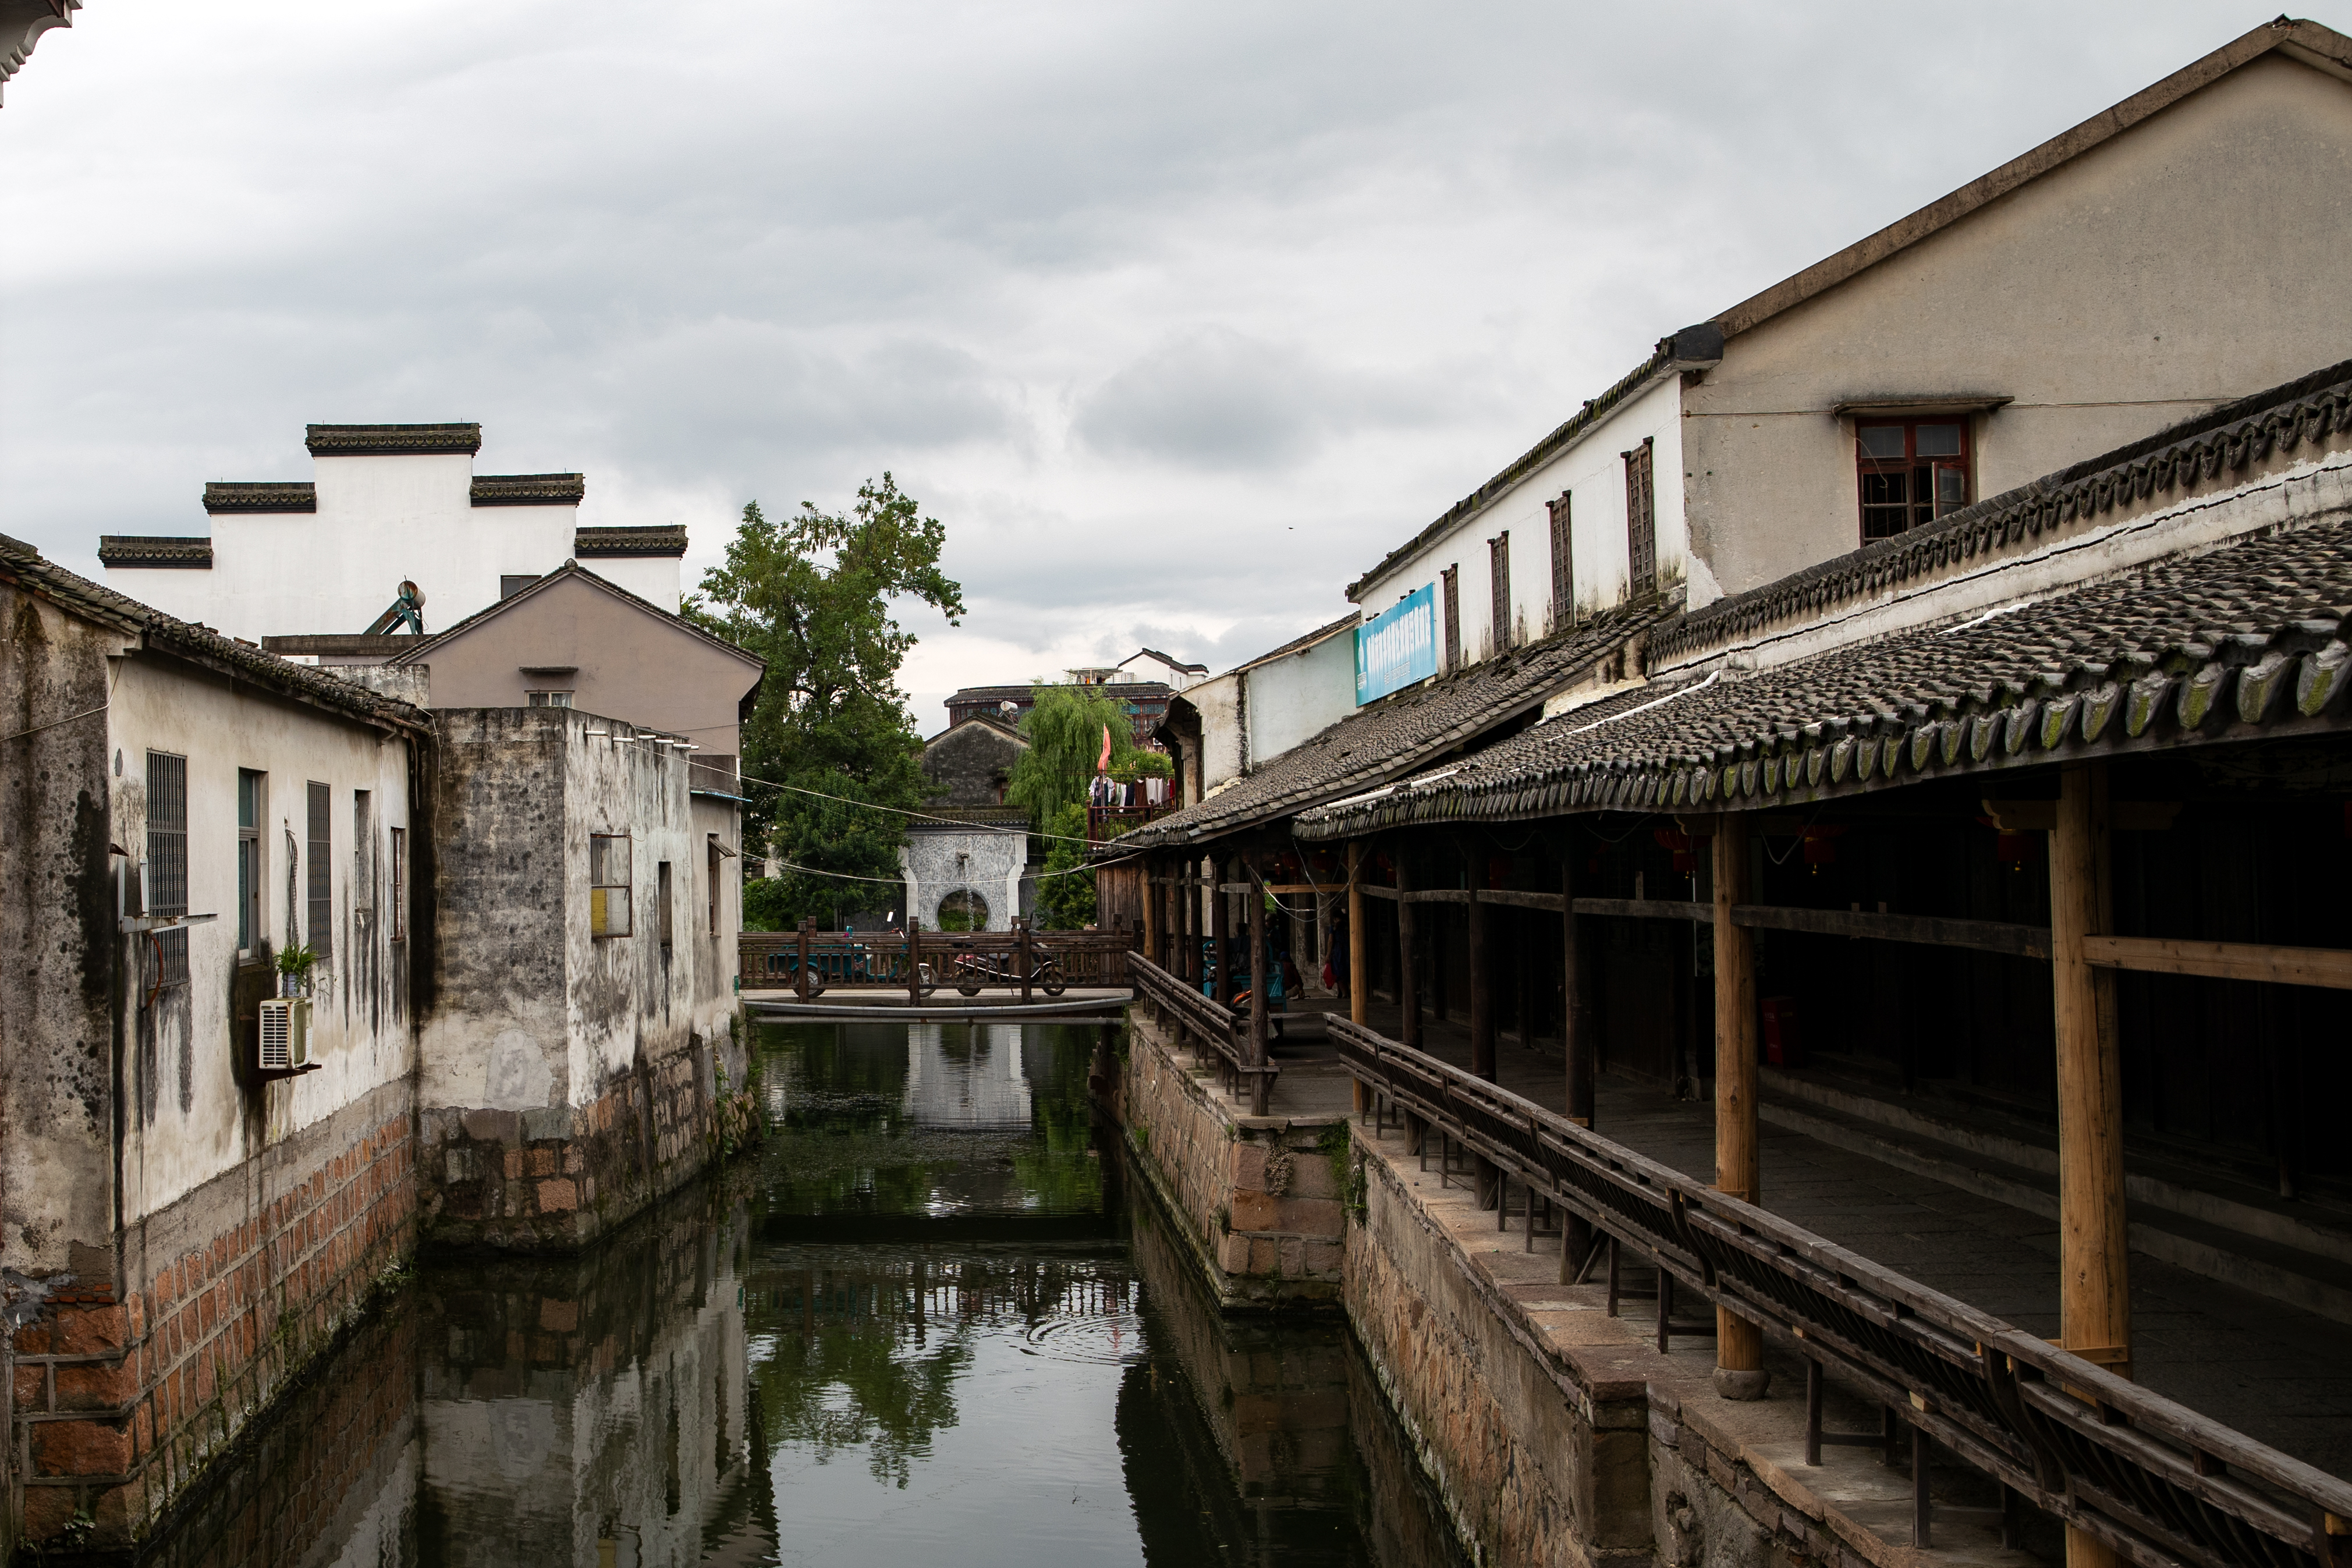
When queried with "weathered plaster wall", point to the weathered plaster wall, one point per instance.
{"points": [[1223, 750], [57, 945], [1256, 1198], [2178, 265], [1300, 695], [567, 1078], [939, 860]]}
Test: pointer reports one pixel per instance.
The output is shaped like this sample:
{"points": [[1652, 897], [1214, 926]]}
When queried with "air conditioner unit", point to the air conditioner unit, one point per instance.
{"points": [[286, 1035]]}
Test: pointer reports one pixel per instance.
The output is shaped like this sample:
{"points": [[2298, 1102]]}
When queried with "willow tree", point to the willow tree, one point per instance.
{"points": [[812, 595]]}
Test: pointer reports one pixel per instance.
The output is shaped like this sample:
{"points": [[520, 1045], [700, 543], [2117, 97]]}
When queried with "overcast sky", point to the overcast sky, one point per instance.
{"points": [[1178, 317]]}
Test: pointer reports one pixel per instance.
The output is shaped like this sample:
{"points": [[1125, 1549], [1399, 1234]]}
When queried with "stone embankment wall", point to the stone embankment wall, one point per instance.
{"points": [[1256, 1197], [231, 1292]]}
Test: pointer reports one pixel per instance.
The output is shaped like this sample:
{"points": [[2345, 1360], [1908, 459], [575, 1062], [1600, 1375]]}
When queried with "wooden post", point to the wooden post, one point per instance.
{"points": [[914, 959], [1259, 976], [1408, 975], [1150, 912], [1578, 1046], [1188, 921], [1482, 978], [1739, 1344], [808, 926], [1024, 960], [1523, 926], [1360, 980], [2093, 1282], [1220, 921]]}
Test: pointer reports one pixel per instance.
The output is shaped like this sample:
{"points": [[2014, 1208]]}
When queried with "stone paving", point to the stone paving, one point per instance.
{"points": [[2278, 1374]]}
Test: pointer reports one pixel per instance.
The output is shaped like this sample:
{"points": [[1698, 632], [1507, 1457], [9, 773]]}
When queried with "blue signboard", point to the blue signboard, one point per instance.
{"points": [[1397, 646]]}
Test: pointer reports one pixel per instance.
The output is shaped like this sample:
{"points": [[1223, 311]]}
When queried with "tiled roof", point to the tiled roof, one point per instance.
{"points": [[234, 496], [529, 489], [2244, 640], [2183, 458], [668, 539], [21, 563], [1398, 734], [421, 649], [1137, 690], [191, 551], [393, 440]]}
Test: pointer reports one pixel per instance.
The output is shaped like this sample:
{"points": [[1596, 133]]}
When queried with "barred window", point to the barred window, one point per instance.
{"points": [[320, 869], [1641, 519], [363, 854], [396, 875], [608, 884], [1563, 565], [1498, 573], [1452, 576], [167, 864], [251, 808]]}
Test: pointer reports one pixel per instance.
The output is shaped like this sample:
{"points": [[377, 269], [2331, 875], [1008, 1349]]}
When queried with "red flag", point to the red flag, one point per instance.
{"points": [[1104, 766]]}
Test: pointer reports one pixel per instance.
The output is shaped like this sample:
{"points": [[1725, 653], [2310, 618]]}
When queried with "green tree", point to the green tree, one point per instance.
{"points": [[812, 595], [1066, 894], [1065, 728]]}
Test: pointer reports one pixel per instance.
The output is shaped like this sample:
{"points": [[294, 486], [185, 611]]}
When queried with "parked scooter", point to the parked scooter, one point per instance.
{"points": [[970, 971]]}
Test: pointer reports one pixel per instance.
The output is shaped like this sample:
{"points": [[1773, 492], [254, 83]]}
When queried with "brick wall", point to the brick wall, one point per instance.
{"points": [[554, 1179], [123, 1395], [1257, 1197]]}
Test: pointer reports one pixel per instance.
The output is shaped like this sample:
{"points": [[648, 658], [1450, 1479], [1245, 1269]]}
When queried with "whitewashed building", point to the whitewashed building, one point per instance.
{"points": [[387, 505]]}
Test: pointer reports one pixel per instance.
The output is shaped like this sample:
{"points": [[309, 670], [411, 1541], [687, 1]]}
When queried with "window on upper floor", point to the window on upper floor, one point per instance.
{"points": [[608, 884], [1641, 519], [510, 585], [1911, 471], [166, 890], [1498, 575], [547, 699], [319, 853], [252, 805], [1563, 564], [1452, 579], [395, 865]]}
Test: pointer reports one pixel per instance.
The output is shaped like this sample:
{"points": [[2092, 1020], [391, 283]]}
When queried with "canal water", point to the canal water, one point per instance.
{"points": [[931, 1319]]}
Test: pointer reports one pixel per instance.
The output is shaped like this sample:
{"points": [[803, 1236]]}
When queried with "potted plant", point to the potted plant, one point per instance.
{"points": [[294, 965]]}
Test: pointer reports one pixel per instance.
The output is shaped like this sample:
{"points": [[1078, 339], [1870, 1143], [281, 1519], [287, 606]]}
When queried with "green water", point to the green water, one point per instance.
{"points": [[931, 1319]]}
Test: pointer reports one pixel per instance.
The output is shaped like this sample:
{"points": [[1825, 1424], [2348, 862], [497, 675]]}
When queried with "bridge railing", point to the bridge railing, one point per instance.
{"points": [[856, 961], [1204, 1025], [2164, 1485]]}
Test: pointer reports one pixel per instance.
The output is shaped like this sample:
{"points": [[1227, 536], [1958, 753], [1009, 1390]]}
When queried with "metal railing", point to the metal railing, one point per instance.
{"points": [[877, 961], [1204, 1026], [2159, 1482]]}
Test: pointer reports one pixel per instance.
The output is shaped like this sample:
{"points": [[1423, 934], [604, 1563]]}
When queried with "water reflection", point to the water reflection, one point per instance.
{"points": [[929, 1323]]}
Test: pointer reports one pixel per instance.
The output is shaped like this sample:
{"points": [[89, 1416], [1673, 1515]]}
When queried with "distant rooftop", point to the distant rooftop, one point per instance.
{"points": [[393, 440]]}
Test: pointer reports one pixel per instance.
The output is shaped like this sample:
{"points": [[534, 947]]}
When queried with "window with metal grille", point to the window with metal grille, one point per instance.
{"points": [[363, 856], [608, 884], [395, 866], [250, 808], [1453, 618], [167, 864], [1641, 519], [319, 869], [1912, 472], [1498, 575], [662, 911], [1563, 565]]}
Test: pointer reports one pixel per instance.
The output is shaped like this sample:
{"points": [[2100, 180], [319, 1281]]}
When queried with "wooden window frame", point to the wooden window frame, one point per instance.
{"points": [[318, 872], [601, 885], [363, 856], [1915, 513], [1642, 518], [396, 883], [252, 878], [1452, 577], [1498, 584], [1563, 562], [549, 698]]}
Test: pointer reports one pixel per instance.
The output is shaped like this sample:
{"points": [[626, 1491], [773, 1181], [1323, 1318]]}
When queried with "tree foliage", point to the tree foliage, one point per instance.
{"points": [[812, 595], [1065, 895], [1064, 731]]}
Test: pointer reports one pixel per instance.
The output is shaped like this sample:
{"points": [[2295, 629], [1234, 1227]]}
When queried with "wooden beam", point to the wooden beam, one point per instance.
{"points": [[2123, 815], [2327, 966], [1374, 890], [1986, 936], [1648, 908], [1551, 901], [1739, 1344]]}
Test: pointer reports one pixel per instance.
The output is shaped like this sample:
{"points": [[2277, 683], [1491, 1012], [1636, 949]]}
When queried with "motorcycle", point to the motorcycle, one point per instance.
{"points": [[970, 971]]}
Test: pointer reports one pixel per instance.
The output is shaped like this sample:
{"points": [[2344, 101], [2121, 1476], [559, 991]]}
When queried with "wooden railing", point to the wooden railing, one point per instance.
{"points": [[1204, 1026], [876, 960], [1110, 821], [2162, 1484]]}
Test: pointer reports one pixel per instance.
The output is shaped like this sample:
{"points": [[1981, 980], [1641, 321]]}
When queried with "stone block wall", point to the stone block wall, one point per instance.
{"points": [[555, 1179], [123, 1395], [1257, 1197]]}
